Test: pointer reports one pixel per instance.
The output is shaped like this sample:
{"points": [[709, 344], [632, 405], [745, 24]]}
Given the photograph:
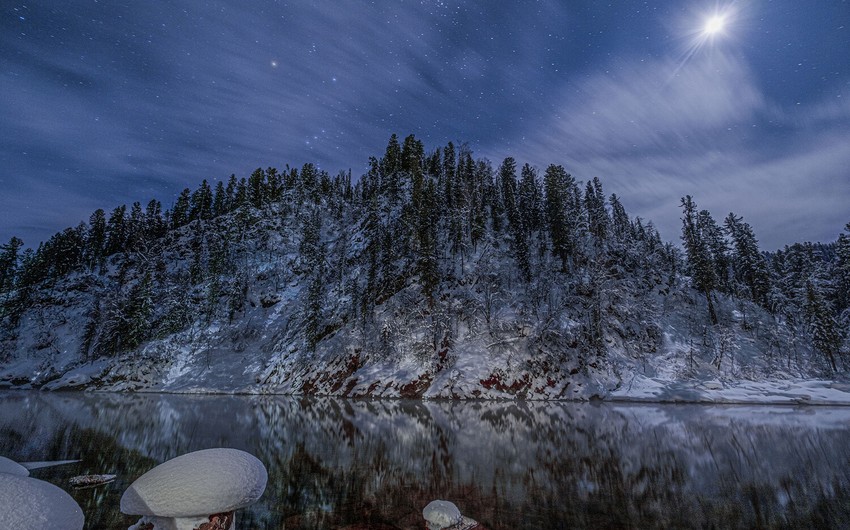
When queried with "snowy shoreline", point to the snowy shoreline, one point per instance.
{"points": [[643, 391]]}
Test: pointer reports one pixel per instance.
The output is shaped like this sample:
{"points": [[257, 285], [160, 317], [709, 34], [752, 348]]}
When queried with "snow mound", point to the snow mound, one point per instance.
{"points": [[37, 505], [441, 514], [195, 484], [13, 468]]}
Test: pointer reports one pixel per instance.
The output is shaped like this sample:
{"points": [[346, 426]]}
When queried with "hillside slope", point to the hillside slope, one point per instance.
{"points": [[434, 276]]}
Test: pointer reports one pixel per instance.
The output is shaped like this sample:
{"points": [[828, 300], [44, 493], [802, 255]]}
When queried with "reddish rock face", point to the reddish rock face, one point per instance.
{"points": [[370, 526], [218, 521]]}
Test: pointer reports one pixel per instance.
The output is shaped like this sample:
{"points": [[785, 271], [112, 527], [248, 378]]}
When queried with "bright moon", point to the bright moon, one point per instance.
{"points": [[714, 25]]}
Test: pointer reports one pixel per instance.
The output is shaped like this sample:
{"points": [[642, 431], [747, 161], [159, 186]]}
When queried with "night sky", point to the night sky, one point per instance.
{"points": [[104, 103]]}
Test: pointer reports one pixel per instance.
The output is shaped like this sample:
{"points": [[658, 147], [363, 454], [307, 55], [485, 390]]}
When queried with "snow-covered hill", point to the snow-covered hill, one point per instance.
{"points": [[434, 276]]}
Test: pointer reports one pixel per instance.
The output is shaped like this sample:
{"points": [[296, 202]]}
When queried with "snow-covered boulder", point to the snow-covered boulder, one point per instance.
{"points": [[12, 467], [444, 515], [190, 490], [37, 505], [441, 514]]}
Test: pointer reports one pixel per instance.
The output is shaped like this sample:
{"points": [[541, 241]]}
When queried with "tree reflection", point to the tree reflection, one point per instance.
{"points": [[357, 464]]}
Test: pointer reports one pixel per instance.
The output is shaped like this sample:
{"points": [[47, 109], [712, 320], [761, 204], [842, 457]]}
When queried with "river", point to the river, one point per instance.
{"points": [[336, 463]]}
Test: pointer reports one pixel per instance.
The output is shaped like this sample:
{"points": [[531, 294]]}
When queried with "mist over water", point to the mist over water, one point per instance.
{"points": [[335, 463]]}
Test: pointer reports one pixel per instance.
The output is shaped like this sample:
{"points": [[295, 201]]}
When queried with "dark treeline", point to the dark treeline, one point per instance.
{"points": [[805, 283], [414, 217]]}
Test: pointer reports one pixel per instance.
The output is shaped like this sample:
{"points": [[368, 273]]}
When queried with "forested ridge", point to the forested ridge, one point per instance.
{"points": [[427, 262]]}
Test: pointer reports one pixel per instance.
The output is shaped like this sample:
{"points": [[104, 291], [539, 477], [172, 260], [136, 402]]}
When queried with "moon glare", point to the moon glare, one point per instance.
{"points": [[714, 25]]}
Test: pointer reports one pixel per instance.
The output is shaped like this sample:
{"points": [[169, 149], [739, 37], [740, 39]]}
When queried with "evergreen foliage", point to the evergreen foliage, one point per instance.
{"points": [[435, 238], [698, 235]]}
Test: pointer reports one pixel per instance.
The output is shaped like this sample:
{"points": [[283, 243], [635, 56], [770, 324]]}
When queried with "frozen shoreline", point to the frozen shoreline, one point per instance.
{"points": [[776, 392], [640, 389]]}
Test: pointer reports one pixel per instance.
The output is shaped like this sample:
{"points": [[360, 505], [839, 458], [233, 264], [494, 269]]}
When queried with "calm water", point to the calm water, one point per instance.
{"points": [[337, 463]]}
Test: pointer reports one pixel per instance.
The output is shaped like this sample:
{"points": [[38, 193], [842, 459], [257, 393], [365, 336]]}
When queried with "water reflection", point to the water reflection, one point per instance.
{"points": [[336, 463]]}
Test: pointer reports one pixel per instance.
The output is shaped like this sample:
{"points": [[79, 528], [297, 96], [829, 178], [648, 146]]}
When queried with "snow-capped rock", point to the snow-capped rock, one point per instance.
{"points": [[186, 491], [28, 503]]}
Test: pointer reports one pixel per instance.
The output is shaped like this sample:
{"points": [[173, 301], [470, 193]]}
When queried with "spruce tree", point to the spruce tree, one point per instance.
{"points": [[557, 184], [620, 224], [135, 228], [703, 272], [96, 240], [507, 187], [230, 194], [412, 155], [714, 240], [822, 324], [274, 185], [313, 254], [116, 231], [748, 263], [219, 206], [154, 225], [529, 199], [180, 212], [597, 215], [9, 263], [256, 188], [448, 175], [138, 309], [201, 202], [842, 269]]}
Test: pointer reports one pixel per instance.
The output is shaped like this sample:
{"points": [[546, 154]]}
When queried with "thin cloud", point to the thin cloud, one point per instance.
{"points": [[711, 133]]}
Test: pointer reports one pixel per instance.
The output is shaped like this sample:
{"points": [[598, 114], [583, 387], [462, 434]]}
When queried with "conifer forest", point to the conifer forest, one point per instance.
{"points": [[434, 274]]}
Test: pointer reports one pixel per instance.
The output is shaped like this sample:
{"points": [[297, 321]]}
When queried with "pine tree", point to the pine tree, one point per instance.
{"points": [[478, 219], [256, 188], [507, 187], [9, 263], [822, 324], [412, 155], [63, 252], [699, 255], [557, 184], [230, 194], [240, 198], [842, 269], [620, 224], [135, 228], [715, 241], [201, 202], [154, 225], [116, 231], [748, 263], [96, 240], [274, 185], [529, 199], [219, 206], [180, 212], [516, 226], [391, 162], [308, 183], [313, 253], [448, 175], [138, 309], [597, 215]]}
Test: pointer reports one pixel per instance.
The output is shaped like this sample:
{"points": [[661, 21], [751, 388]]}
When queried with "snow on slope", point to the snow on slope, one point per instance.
{"points": [[485, 334]]}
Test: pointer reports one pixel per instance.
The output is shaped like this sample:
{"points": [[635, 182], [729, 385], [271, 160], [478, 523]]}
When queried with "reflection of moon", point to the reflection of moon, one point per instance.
{"points": [[274, 63], [714, 25]]}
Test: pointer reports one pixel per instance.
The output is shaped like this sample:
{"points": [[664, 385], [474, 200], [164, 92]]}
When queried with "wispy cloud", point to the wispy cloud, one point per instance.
{"points": [[708, 131]]}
